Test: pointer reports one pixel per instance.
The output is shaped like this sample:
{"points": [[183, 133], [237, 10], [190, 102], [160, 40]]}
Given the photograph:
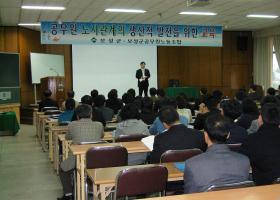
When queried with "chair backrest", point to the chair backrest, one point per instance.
{"points": [[277, 181], [53, 112], [130, 138], [235, 147], [142, 180], [231, 186], [107, 156], [94, 142], [49, 108], [178, 155]]}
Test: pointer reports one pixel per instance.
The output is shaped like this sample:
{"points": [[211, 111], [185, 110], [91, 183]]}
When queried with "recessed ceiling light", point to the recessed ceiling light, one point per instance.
{"points": [[262, 16], [124, 10], [29, 24], [197, 13], [43, 7]]}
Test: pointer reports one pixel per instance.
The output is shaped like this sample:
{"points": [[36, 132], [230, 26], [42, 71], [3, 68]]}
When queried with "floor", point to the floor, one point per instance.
{"points": [[25, 170]]}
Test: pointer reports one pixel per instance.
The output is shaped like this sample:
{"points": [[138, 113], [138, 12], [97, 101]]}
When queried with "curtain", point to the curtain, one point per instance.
{"points": [[262, 61], [276, 44]]}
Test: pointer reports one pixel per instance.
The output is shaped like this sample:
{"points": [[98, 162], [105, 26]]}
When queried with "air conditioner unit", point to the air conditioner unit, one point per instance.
{"points": [[198, 3]]}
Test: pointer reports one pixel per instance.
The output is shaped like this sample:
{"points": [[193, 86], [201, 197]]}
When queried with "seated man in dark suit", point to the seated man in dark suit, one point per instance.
{"points": [[231, 109], [177, 136], [263, 147], [107, 113], [218, 165], [47, 102]]}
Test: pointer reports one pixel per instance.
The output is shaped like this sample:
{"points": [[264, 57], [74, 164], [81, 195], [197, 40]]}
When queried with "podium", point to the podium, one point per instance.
{"points": [[56, 84]]}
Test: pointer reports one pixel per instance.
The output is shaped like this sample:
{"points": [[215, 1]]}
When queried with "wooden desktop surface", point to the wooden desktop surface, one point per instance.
{"points": [[270, 192]]}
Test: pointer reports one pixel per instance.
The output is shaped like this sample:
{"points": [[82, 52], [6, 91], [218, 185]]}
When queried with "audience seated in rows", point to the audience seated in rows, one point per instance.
{"points": [[113, 101], [68, 115], [48, 101], [263, 147], [250, 112], [218, 165], [82, 130], [231, 109], [132, 124], [107, 113], [176, 137], [70, 95]]}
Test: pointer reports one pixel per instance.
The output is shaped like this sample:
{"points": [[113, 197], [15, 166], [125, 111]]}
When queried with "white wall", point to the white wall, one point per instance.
{"points": [[105, 67]]}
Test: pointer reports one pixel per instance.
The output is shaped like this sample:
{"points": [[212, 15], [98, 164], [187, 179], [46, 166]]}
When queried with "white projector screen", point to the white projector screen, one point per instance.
{"points": [[44, 65], [105, 67]]}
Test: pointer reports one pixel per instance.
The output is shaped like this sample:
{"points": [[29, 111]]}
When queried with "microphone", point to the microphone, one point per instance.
{"points": [[52, 69]]}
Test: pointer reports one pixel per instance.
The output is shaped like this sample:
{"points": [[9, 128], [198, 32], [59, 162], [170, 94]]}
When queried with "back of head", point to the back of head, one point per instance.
{"points": [[161, 92], [271, 114], [129, 111], [249, 107], [153, 91], [147, 103], [217, 128], [94, 93], [203, 91], [47, 93], [270, 99], [240, 95], [86, 99], [217, 94], [113, 94], [99, 101], [181, 102], [210, 102], [127, 98], [271, 91], [168, 115], [84, 111], [132, 92], [231, 108], [70, 104], [138, 102], [70, 94]]}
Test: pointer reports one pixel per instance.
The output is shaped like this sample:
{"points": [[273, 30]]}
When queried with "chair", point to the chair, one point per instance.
{"points": [[139, 181], [231, 186], [178, 155], [277, 181], [235, 147], [49, 108], [130, 138]]}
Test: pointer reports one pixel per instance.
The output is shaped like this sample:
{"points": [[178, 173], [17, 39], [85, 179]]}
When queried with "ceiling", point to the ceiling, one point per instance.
{"points": [[231, 13]]}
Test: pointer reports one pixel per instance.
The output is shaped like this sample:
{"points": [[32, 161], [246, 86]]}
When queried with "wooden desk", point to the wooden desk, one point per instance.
{"points": [[37, 124], [80, 150], [270, 192], [104, 178]]}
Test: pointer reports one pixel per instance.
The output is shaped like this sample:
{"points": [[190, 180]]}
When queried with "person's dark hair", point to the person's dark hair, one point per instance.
{"points": [[231, 109], [271, 91], [271, 114], [249, 107], [217, 94], [86, 99], [181, 102], [168, 101], [240, 95], [153, 91], [168, 115], [132, 92], [142, 63], [70, 94], [270, 99], [138, 102], [94, 93], [47, 93], [113, 94], [210, 102], [161, 92], [99, 100], [253, 87], [129, 111], [70, 104], [127, 98], [147, 103], [217, 128], [84, 111], [203, 91]]}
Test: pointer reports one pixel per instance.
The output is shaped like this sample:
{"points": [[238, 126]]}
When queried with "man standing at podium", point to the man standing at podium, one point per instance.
{"points": [[143, 76]]}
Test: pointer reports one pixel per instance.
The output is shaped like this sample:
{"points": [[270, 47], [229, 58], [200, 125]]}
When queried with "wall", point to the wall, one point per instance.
{"points": [[24, 41], [224, 68]]}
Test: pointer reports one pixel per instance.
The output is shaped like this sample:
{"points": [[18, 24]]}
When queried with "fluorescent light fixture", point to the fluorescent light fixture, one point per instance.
{"points": [[29, 24], [262, 16], [197, 13], [124, 10], [43, 7]]}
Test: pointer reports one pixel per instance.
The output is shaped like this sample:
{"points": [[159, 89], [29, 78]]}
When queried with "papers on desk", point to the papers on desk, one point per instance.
{"points": [[149, 141], [180, 166]]}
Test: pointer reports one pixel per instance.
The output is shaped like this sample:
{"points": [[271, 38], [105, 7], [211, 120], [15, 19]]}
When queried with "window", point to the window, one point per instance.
{"points": [[275, 71]]}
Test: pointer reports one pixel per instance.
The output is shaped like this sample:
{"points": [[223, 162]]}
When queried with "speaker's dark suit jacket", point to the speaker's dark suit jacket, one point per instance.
{"points": [[178, 137], [139, 75]]}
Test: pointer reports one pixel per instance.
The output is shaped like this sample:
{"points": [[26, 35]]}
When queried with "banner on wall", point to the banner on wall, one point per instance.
{"points": [[130, 34]]}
